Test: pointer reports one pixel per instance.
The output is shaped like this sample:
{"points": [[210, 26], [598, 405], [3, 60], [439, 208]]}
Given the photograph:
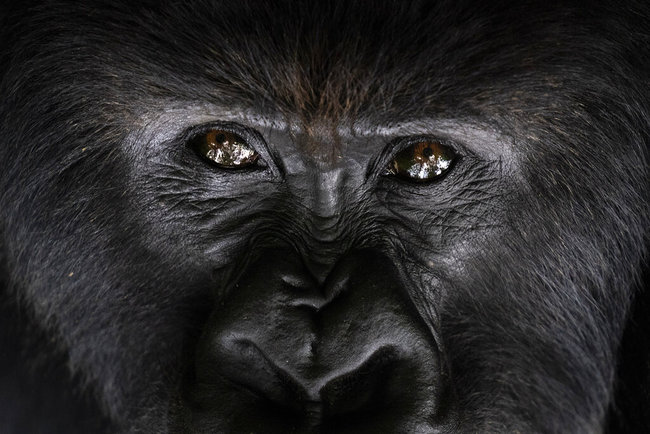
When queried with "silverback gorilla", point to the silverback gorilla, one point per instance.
{"points": [[324, 217]]}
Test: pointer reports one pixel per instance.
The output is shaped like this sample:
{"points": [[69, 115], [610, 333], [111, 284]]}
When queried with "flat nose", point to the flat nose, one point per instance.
{"points": [[320, 359]]}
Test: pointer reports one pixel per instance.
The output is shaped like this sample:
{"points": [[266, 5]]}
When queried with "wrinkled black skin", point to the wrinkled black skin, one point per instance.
{"points": [[145, 290]]}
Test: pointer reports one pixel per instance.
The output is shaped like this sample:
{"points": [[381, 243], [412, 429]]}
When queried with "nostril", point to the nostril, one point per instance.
{"points": [[243, 364], [364, 389]]}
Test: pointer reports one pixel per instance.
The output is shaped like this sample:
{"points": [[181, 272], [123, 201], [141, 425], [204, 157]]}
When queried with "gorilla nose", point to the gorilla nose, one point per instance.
{"points": [[318, 357]]}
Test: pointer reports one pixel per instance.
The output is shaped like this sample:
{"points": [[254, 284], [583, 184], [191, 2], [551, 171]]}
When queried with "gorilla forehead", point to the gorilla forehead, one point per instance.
{"points": [[330, 61]]}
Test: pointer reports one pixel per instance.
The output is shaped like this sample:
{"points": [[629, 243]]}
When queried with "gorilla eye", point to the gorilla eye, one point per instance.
{"points": [[224, 149], [423, 161]]}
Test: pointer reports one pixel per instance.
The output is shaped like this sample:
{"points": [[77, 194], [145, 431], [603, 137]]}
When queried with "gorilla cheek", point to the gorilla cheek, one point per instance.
{"points": [[347, 354]]}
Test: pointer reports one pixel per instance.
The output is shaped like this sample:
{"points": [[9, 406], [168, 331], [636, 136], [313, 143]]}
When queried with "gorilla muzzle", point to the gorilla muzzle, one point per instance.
{"points": [[349, 352]]}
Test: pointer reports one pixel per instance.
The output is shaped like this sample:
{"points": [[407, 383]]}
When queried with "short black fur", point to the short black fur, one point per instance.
{"points": [[509, 295]]}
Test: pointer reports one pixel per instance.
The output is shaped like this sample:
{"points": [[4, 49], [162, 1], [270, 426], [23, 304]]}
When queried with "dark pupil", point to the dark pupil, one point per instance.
{"points": [[427, 152], [220, 138]]}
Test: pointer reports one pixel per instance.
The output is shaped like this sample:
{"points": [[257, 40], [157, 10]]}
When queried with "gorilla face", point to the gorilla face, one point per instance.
{"points": [[373, 217]]}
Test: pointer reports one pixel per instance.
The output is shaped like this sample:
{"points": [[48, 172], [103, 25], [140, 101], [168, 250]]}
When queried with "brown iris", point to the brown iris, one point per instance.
{"points": [[225, 149], [422, 161]]}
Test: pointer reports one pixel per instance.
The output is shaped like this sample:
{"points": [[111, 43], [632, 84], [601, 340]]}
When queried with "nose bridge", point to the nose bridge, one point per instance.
{"points": [[325, 228], [328, 191]]}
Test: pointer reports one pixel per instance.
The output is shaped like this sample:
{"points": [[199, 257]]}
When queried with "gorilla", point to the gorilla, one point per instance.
{"points": [[324, 217]]}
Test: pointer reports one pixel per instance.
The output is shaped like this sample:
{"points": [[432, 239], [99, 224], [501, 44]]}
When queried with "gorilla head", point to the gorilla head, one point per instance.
{"points": [[323, 216]]}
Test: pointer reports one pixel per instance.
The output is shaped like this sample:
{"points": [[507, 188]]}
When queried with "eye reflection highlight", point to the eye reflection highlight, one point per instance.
{"points": [[225, 149], [423, 161]]}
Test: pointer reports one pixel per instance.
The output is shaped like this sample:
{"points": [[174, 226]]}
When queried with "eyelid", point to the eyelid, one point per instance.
{"points": [[402, 143]]}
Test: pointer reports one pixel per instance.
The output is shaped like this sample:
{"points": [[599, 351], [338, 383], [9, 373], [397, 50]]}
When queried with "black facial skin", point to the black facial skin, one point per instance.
{"points": [[144, 288]]}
